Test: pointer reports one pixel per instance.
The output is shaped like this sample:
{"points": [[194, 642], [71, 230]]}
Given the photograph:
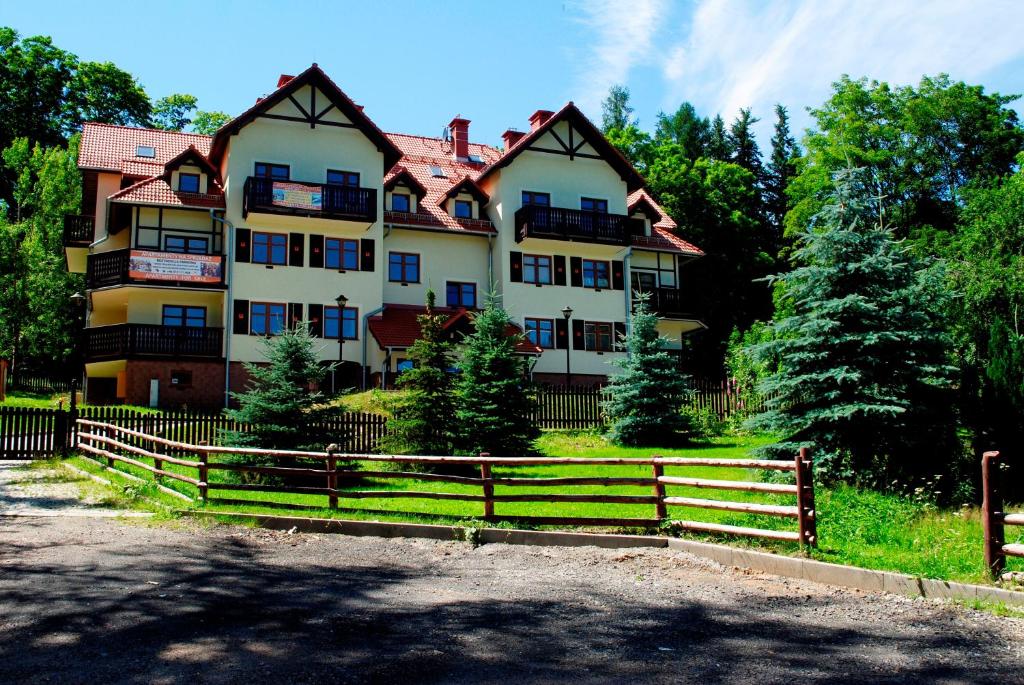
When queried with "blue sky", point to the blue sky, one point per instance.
{"points": [[415, 65]]}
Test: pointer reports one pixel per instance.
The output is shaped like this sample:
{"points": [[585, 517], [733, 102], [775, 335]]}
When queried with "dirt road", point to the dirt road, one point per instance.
{"points": [[111, 601]]}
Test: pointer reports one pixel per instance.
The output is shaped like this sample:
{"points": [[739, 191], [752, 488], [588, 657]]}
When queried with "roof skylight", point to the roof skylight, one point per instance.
{"points": [[437, 172], [145, 151]]}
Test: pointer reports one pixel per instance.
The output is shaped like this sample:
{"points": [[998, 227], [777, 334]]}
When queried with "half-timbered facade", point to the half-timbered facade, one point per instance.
{"points": [[301, 209]]}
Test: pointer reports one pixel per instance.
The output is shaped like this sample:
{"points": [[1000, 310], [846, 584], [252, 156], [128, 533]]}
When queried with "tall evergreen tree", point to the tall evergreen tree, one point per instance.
{"points": [[718, 147], [616, 112], [424, 421], [781, 169], [495, 409], [645, 407], [743, 144], [685, 128], [864, 375]]}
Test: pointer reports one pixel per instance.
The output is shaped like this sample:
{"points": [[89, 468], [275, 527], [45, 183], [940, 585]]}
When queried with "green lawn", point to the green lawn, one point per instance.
{"points": [[23, 398], [855, 527]]}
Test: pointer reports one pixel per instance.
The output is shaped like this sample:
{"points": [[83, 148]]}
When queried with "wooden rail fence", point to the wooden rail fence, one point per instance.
{"points": [[326, 473], [994, 519]]}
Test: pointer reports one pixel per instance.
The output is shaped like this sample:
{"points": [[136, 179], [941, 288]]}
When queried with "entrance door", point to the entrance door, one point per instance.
{"points": [[154, 392]]}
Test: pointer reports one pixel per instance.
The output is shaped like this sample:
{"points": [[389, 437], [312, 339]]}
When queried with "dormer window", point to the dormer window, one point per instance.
{"points": [[437, 172], [145, 151], [463, 209], [400, 202], [188, 183]]}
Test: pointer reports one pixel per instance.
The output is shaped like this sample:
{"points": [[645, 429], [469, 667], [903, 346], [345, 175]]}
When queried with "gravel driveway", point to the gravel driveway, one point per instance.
{"points": [[114, 601]]}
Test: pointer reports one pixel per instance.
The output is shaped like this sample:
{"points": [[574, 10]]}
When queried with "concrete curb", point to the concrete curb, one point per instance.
{"points": [[774, 564]]}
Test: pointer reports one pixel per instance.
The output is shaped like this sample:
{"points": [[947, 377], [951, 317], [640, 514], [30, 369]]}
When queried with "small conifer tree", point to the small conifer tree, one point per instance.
{"points": [[494, 403], [645, 407], [424, 419]]}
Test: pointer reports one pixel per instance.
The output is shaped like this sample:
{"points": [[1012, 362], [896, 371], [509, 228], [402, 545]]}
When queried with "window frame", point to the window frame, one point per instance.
{"points": [[408, 202], [403, 265], [270, 248], [468, 204], [594, 200], [140, 148], [527, 198], [460, 286], [346, 174], [342, 253], [186, 247], [348, 315], [269, 169], [596, 285], [267, 317], [592, 337], [540, 331], [535, 266], [183, 175], [187, 314]]}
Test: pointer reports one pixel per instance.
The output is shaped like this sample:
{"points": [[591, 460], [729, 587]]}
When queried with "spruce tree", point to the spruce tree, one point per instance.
{"points": [[423, 421], [645, 407], [781, 169], [863, 371], [718, 147], [278, 405], [494, 403], [743, 144]]}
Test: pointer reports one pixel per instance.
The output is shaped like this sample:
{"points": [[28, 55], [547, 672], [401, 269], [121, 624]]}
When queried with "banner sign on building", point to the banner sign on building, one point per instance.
{"points": [[168, 266], [297, 196]]}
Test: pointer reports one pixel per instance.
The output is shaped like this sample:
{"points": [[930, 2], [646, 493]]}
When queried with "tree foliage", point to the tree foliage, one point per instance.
{"points": [[208, 123], [779, 173], [646, 402], [616, 112], [174, 112]]}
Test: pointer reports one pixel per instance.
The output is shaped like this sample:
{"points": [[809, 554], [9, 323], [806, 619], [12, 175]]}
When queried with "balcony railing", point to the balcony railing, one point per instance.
{"points": [[123, 267], [668, 303], [125, 340], [558, 223], [297, 198], [78, 230]]}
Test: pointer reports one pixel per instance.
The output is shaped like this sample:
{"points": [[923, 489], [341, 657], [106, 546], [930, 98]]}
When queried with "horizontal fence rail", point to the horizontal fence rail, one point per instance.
{"points": [[994, 519], [336, 474]]}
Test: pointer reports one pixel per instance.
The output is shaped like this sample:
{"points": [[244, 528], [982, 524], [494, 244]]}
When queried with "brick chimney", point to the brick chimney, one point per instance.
{"points": [[511, 137], [538, 118], [460, 137], [283, 79]]}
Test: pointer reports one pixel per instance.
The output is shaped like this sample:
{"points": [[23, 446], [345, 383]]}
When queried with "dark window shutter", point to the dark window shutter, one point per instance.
{"points": [[576, 277], [316, 251], [578, 341], [367, 253], [618, 281], [243, 242], [294, 314], [296, 242], [620, 333], [515, 267], [240, 325], [561, 333], [316, 320], [559, 269]]}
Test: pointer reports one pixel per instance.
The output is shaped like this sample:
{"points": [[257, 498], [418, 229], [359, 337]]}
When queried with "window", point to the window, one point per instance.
{"points": [[461, 294], [589, 204], [541, 332], [536, 199], [343, 178], [341, 254], [177, 315], [181, 379], [145, 151], [644, 281], [536, 269], [400, 202], [188, 183], [403, 365], [595, 274], [346, 320], [269, 248], [597, 336], [437, 172], [266, 318], [278, 172], [182, 245], [403, 267], [464, 209], [476, 159]]}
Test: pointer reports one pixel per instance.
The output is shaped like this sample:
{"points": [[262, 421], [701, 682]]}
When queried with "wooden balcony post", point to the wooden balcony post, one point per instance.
{"points": [[992, 514]]}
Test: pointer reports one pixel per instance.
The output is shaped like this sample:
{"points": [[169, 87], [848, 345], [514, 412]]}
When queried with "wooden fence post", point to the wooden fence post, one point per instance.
{"points": [[661, 511], [332, 476], [488, 483], [204, 459], [108, 447], [807, 516], [992, 514]]}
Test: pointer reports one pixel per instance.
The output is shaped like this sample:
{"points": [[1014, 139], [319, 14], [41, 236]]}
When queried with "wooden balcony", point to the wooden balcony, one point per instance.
{"points": [[151, 267], [559, 223], [78, 230], [127, 340], [668, 303], [297, 198]]}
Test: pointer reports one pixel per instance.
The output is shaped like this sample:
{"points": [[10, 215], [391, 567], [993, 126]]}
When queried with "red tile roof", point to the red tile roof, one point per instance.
{"points": [[641, 196], [664, 240], [397, 326], [157, 191], [112, 148]]}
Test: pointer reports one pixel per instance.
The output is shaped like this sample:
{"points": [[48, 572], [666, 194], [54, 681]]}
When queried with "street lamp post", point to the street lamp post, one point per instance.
{"points": [[567, 314], [342, 301]]}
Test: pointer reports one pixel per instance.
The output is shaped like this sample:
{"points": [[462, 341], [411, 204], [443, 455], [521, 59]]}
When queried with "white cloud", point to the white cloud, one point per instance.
{"points": [[623, 34], [739, 53]]}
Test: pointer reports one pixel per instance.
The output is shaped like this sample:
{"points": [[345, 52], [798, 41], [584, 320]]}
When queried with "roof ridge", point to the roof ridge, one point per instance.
{"points": [[146, 128], [439, 140]]}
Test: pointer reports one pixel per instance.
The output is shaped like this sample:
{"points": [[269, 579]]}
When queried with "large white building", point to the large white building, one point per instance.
{"points": [[196, 247]]}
